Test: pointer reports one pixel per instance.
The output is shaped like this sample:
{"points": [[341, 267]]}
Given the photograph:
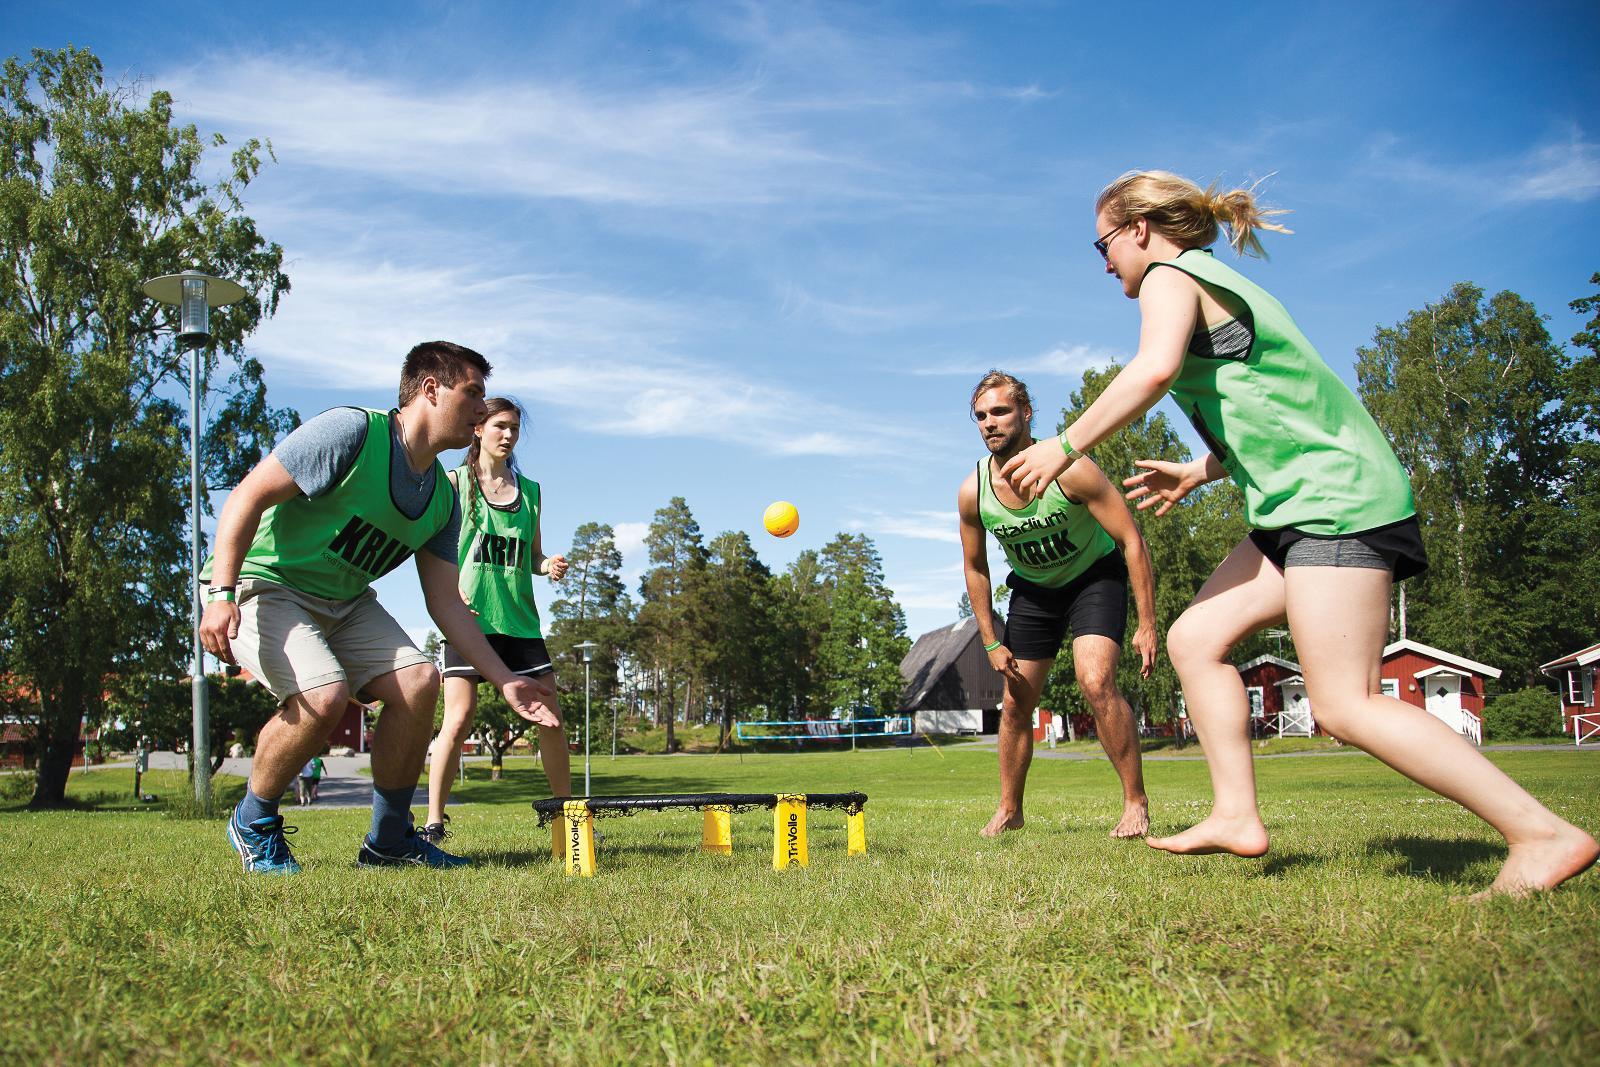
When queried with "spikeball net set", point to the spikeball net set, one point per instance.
{"points": [[572, 822]]}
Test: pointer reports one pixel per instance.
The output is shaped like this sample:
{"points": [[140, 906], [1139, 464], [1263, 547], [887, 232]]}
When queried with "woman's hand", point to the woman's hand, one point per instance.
{"points": [[1031, 471], [1163, 484]]}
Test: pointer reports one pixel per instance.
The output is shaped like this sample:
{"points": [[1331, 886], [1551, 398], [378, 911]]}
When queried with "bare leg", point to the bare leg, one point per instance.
{"points": [[292, 736], [1243, 595], [460, 704], [1094, 659], [400, 742], [554, 755], [1016, 743], [1339, 620]]}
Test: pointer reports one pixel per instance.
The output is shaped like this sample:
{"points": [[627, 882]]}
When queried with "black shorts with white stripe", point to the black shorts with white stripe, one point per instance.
{"points": [[524, 655]]}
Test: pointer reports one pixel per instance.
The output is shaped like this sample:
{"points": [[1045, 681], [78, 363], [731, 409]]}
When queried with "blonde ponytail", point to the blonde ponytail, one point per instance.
{"points": [[1181, 211]]}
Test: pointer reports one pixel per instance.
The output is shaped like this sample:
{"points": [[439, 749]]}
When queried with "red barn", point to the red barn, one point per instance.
{"points": [[1575, 677], [1447, 686], [1273, 684]]}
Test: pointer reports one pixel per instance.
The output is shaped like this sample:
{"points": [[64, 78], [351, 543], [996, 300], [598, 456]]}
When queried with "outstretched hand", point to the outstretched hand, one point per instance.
{"points": [[556, 567], [1031, 471], [533, 698], [1162, 484]]}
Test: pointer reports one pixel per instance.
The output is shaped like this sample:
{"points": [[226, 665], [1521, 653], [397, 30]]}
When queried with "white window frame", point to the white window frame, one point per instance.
{"points": [[1389, 687], [1574, 687]]}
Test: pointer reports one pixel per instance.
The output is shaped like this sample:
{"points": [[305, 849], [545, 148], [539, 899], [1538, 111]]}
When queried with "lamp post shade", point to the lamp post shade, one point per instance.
{"points": [[194, 294]]}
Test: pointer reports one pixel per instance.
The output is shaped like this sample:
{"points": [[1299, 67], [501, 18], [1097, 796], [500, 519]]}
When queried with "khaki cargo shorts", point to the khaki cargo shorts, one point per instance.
{"points": [[293, 642]]}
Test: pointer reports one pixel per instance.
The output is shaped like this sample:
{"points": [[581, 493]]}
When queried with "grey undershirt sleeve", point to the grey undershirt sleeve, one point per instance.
{"points": [[320, 452]]}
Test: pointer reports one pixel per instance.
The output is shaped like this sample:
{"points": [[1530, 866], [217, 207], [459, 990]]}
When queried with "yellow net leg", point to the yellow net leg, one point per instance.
{"points": [[856, 829], [578, 846], [558, 838], [789, 832], [716, 833]]}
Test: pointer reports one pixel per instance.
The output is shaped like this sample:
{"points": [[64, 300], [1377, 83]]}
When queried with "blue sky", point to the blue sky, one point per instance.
{"points": [[744, 252]]}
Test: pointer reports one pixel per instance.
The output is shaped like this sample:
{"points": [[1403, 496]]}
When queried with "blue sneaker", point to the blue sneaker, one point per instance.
{"points": [[261, 845], [413, 850]]}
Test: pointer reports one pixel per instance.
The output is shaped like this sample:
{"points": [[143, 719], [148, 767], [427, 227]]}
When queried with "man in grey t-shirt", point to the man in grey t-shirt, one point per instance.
{"points": [[298, 543]]}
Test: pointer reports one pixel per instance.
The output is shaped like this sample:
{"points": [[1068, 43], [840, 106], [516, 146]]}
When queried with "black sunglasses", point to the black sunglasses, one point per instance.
{"points": [[1102, 244]]}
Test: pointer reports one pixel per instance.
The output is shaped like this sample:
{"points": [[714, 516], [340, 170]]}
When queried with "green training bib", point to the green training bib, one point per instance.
{"points": [[497, 557], [1290, 433], [338, 544], [1050, 540]]}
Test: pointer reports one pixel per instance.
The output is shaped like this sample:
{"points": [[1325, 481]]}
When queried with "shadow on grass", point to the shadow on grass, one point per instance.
{"points": [[1446, 859], [1277, 863]]}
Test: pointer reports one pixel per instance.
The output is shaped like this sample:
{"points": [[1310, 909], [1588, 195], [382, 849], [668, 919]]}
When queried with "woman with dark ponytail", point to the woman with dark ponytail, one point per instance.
{"points": [[500, 552], [1332, 516]]}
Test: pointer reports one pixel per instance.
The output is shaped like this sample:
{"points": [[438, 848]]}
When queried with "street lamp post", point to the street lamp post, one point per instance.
{"points": [[587, 648], [195, 294]]}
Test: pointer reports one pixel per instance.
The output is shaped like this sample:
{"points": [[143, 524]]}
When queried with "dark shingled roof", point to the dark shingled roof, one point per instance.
{"points": [[934, 653]]}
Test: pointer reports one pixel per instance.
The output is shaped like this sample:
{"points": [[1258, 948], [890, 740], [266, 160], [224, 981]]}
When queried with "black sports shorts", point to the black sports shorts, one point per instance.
{"points": [[1095, 602], [524, 655], [1398, 545]]}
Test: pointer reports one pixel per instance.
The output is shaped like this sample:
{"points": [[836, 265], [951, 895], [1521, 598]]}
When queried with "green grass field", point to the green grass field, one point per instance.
{"points": [[132, 937]]}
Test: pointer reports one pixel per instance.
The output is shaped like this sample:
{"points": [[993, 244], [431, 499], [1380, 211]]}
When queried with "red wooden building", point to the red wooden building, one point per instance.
{"points": [[1575, 679], [1447, 686], [1274, 685]]}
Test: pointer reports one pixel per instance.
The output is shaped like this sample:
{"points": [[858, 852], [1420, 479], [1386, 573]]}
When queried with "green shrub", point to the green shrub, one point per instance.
{"points": [[1527, 713], [19, 785]]}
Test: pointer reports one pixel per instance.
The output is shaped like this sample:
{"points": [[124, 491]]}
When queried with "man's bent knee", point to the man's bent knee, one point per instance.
{"points": [[322, 703], [418, 684]]}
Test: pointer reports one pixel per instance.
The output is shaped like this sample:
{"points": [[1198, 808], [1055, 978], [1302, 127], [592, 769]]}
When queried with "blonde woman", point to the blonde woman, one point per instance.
{"points": [[500, 552], [1332, 517]]}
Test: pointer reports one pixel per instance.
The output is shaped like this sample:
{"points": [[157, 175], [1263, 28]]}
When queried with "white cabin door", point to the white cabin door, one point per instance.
{"points": [[1295, 720], [1444, 700]]}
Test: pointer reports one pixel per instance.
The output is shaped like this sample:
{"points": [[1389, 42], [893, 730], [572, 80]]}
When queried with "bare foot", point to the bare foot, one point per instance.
{"points": [[1001, 822], [1237, 837], [1545, 863], [1135, 819]]}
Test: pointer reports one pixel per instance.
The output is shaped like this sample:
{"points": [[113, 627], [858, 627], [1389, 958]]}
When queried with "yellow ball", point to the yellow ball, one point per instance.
{"points": [[781, 519]]}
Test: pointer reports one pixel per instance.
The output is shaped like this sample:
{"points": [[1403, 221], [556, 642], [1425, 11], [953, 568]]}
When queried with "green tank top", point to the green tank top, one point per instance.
{"points": [[1283, 425], [338, 544], [1050, 541], [497, 557]]}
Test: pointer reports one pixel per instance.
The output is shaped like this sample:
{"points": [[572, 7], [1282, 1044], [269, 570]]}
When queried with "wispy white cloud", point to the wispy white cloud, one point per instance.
{"points": [[1563, 169], [1063, 360], [852, 317], [919, 525], [629, 537], [689, 147], [600, 360], [1568, 170]]}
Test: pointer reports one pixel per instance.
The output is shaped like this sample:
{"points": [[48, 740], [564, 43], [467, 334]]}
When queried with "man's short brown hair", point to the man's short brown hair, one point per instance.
{"points": [[443, 361]]}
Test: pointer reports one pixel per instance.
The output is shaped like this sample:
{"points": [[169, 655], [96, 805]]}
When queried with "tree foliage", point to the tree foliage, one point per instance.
{"points": [[97, 194], [1477, 400]]}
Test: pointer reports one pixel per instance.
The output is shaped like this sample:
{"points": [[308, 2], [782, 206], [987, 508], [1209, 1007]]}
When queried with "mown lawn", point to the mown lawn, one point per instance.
{"points": [[133, 937]]}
